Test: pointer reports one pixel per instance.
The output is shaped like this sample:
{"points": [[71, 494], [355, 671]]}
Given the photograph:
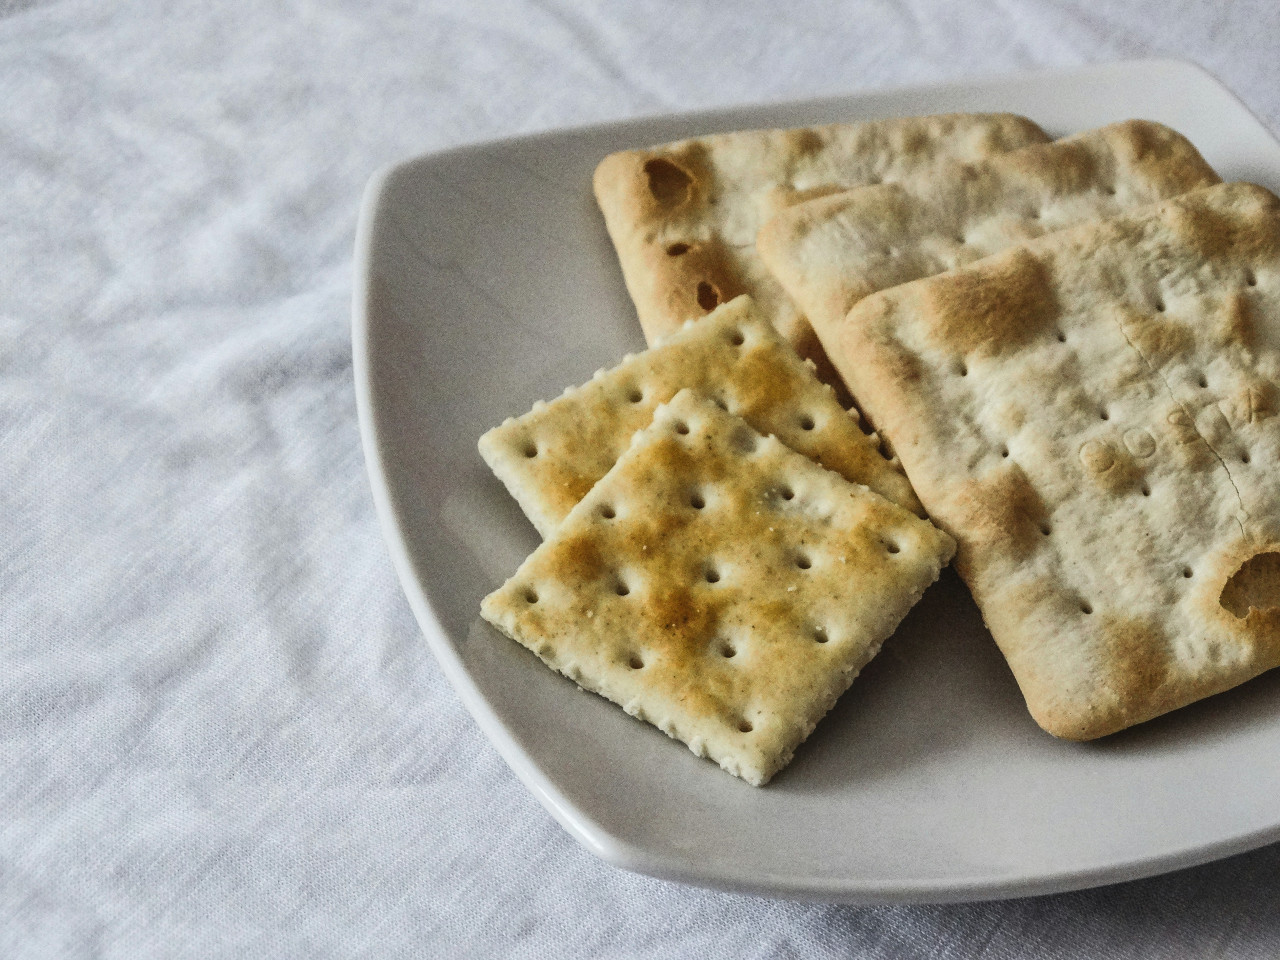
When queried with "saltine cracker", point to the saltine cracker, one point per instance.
{"points": [[720, 586], [1093, 417]]}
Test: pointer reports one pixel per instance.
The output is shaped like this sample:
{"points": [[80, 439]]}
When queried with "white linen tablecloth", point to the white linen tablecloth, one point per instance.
{"points": [[222, 733]]}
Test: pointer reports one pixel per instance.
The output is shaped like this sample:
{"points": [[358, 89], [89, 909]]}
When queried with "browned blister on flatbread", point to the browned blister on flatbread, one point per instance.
{"points": [[683, 216], [551, 456], [831, 252], [1093, 417], [720, 586]]}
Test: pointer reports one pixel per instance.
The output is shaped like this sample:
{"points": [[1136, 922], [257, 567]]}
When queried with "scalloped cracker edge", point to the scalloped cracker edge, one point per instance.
{"points": [[550, 457]]}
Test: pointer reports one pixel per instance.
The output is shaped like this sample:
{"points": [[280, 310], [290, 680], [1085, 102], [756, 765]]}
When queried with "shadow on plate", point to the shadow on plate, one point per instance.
{"points": [[938, 684]]}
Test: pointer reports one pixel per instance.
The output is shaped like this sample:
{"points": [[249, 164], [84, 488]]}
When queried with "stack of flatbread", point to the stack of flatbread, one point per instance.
{"points": [[1063, 357]]}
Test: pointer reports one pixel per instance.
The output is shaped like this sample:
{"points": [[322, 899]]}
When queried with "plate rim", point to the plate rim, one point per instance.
{"points": [[585, 829]]}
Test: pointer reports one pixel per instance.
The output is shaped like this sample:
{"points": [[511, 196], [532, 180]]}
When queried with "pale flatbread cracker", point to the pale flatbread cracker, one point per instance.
{"points": [[1093, 417], [684, 216], [831, 252], [550, 457], [720, 586]]}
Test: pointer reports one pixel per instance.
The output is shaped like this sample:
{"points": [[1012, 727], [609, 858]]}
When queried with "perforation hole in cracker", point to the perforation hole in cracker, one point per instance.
{"points": [[669, 184], [708, 295]]}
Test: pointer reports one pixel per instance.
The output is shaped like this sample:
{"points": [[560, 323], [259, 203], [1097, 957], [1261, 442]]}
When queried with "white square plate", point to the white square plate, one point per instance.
{"points": [[484, 282]]}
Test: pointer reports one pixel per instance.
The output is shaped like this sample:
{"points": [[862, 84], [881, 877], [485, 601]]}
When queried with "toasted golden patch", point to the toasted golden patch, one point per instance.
{"points": [[720, 586], [550, 457], [997, 306], [1145, 444], [1003, 507]]}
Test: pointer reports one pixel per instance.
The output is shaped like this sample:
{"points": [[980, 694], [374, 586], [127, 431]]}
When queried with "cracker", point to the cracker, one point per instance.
{"points": [[1093, 417], [550, 457], [720, 586], [684, 216], [831, 252]]}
